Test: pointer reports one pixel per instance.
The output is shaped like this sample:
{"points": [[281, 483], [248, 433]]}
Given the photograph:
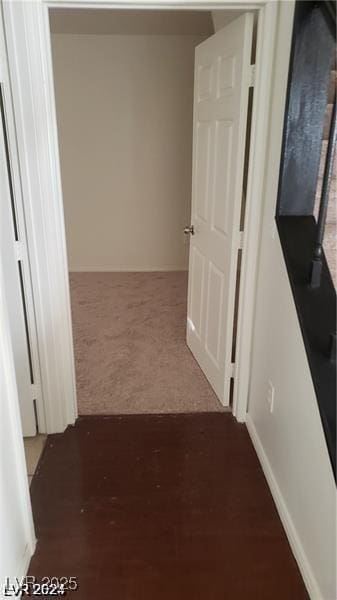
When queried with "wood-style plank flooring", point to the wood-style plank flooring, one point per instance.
{"points": [[169, 507]]}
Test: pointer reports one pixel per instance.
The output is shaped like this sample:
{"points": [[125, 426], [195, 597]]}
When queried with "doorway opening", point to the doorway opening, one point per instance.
{"points": [[124, 89]]}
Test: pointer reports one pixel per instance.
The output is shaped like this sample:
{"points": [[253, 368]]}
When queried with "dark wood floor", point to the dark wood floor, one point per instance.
{"points": [[160, 508]]}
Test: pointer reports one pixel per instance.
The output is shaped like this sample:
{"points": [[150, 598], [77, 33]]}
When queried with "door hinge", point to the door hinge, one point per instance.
{"points": [[240, 240], [18, 250], [252, 76], [34, 391], [232, 370]]}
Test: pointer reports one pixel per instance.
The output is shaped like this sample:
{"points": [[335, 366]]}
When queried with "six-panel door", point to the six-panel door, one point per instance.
{"points": [[222, 76]]}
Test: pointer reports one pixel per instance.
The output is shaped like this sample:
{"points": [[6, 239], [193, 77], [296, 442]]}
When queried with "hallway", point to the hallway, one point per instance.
{"points": [[170, 507]]}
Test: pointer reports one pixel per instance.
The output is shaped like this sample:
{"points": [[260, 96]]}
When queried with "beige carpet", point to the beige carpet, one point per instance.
{"points": [[130, 349]]}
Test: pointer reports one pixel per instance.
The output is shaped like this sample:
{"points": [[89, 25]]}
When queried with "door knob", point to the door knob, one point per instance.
{"points": [[189, 230]]}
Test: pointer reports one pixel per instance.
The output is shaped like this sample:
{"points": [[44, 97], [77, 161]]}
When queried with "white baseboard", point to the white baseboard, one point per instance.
{"points": [[174, 268], [287, 522], [22, 566]]}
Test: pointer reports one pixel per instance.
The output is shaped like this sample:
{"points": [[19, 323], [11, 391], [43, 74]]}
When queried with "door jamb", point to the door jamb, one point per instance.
{"points": [[20, 244], [30, 64], [266, 42], [15, 454]]}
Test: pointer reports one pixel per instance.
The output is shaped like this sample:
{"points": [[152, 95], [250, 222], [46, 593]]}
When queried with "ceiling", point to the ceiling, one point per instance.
{"points": [[132, 22]]}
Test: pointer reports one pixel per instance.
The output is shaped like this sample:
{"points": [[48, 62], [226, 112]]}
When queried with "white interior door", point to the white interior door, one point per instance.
{"points": [[221, 86], [14, 275]]}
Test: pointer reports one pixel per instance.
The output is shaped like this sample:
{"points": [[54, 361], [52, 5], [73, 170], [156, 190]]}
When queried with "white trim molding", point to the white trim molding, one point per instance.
{"points": [[266, 35], [15, 453], [21, 245], [33, 99]]}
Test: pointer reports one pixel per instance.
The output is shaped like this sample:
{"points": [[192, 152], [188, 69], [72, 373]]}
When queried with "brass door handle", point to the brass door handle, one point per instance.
{"points": [[189, 230]]}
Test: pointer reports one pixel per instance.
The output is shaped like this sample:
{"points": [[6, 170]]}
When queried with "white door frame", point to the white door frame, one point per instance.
{"points": [[13, 455], [20, 246], [30, 65]]}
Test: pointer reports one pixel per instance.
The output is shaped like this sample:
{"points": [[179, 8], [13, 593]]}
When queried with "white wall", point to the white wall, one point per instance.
{"points": [[290, 441], [221, 18], [130, 21], [124, 107]]}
